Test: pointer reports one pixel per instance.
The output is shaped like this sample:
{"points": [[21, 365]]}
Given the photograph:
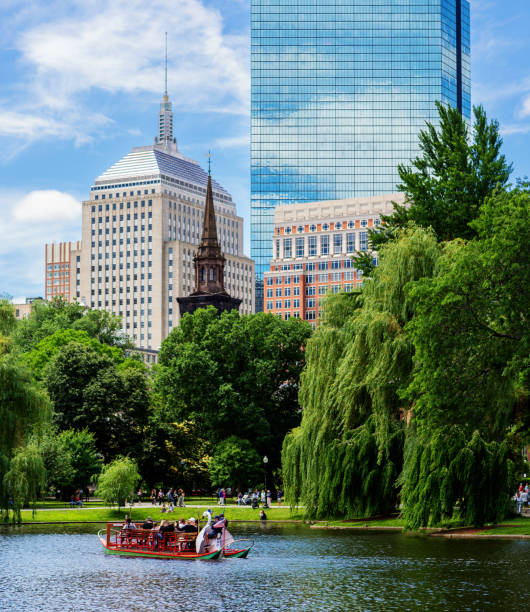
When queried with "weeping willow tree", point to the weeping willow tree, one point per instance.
{"points": [[23, 407], [346, 455], [470, 384]]}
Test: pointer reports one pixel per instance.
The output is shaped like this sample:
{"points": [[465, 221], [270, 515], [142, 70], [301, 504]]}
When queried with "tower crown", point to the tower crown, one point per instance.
{"points": [[165, 115]]}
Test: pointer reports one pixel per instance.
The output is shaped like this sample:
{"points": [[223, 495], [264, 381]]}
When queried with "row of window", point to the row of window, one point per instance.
{"points": [[326, 226], [123, 195], [312, 245]]}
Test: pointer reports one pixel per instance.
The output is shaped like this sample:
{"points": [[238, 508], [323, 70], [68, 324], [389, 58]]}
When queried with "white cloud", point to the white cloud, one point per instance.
{"points": [[524, 111], [49, 206], [107, 47], [27, 222]]}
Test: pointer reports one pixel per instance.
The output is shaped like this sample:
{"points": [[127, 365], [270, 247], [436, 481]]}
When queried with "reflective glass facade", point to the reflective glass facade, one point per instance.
{"points": [[340, 89]]}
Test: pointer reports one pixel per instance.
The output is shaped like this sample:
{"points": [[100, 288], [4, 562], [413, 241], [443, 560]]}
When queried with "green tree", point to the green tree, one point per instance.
{"points": [[234, 375], [25, 478], [49, 346], [48, 317], [235, 463], [117, 481], [23, 407], [470, 381], [89, 392], [70, 457], [449, 181], [345, 457]]}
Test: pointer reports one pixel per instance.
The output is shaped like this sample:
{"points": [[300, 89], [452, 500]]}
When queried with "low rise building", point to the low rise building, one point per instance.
{"points": [[59, 263], [313, 246]]}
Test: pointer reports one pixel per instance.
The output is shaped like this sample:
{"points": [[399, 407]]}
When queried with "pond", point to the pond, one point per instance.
{"points": [[289, 568]]}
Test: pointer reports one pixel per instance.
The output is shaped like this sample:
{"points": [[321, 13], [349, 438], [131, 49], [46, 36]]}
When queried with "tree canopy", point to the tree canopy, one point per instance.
{"points": [[234, 375], [347, 453]]}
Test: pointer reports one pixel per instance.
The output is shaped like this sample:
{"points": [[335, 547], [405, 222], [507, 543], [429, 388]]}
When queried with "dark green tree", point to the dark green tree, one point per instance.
{"points": [[235, 464], [234, 375], [90, 392]]}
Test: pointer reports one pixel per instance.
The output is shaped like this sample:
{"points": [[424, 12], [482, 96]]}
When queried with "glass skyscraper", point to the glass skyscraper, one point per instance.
{"points": [[340, 89]]}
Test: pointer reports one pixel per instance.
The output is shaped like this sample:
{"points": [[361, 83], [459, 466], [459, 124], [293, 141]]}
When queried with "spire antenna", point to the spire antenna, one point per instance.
{"points": [[209, 162], [165, 74]]}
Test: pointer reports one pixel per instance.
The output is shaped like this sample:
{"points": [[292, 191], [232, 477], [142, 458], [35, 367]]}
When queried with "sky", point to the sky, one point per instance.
{"points": [[81, 83]]}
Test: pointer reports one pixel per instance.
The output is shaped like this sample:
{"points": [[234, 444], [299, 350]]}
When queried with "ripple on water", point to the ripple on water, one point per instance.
{"points": [[290, 568]]}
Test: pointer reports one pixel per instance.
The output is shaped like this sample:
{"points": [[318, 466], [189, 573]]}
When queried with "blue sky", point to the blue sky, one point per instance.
{"points": [[81, 83]]}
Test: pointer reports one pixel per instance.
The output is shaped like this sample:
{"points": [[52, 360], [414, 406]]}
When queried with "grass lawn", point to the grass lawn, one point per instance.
{"points": [[519, 526], [361, 524], [139, 513]]}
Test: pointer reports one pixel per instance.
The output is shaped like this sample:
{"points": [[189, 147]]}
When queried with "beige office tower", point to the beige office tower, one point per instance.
{"points": [[141, 228]]}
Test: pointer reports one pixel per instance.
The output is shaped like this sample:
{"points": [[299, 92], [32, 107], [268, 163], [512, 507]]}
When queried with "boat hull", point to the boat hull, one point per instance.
{"points": [[236, 554], [128, 552]]}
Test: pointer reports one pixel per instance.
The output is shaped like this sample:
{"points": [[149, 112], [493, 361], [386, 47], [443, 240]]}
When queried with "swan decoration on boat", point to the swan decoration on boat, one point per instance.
{"points": [[214, 535]]}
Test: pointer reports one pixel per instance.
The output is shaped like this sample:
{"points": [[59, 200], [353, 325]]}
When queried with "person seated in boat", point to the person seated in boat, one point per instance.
{"points": [[148, 523], [128, 524], [190, 526]]}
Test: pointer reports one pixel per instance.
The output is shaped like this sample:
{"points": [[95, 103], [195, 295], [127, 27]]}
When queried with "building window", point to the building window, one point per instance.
{"points": [[278, 292], [350, 243], [337, 243], [363, 241], [278, 304], [311, 315], [324, 245], [312, 243], [310, 290], [300, 251], [269, 305], [287, 303], [296, 303], [364, 223], [277, 249], [296, 290], [287, 248]]}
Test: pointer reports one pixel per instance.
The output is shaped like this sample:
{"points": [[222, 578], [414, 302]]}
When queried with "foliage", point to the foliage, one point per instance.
{"points": [[48, 317], [49, 346], [24, 479], [71, 459], [448, 183], [347, 453], [7, 317], [472, 340], [233, 375], [23, 406], [117, 481], [89, 392], [235, 463], [449, 474]]}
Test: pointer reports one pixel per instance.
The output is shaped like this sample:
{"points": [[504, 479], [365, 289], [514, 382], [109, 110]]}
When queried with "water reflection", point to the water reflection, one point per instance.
{"points": [[290, 568]]}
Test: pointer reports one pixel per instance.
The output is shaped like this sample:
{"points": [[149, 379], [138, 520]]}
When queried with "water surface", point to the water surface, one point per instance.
{"points": [[289, 568]]}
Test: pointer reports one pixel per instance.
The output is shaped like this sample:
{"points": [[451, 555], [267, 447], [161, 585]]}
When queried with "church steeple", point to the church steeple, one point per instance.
{"points": [[209, 266], [209, 261]]}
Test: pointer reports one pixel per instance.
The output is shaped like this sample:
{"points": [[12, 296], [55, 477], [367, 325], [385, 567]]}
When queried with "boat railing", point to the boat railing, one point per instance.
{"points": [[149, 539]]}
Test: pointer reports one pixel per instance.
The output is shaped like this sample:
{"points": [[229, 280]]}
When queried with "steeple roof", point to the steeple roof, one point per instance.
{"points": [[209, 245]]}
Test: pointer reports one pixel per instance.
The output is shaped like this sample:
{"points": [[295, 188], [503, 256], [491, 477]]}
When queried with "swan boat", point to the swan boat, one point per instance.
{"points": [[212, 542]]}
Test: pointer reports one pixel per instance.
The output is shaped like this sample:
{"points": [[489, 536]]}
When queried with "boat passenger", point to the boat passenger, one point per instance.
{"points": [[128, 524], [148, 523], [190, 526]]}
